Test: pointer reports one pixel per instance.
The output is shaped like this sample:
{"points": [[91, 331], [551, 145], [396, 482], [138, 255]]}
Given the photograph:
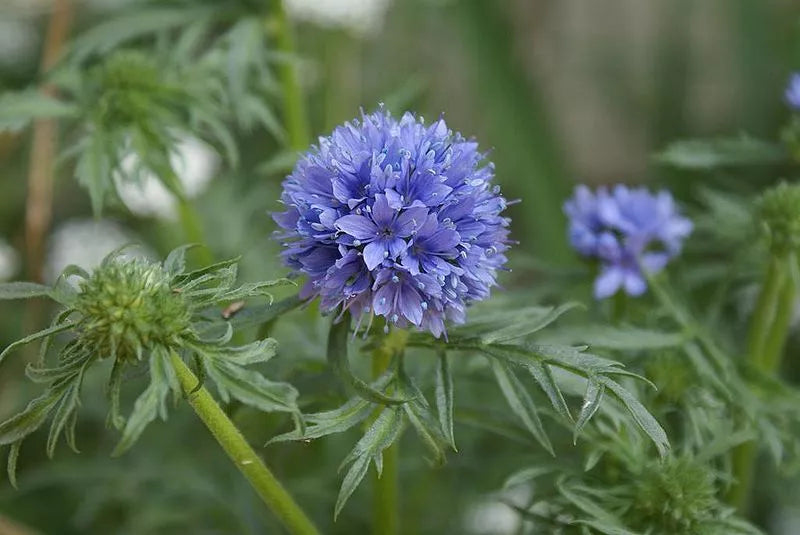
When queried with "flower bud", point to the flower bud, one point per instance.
{"points": [[779, 213]]}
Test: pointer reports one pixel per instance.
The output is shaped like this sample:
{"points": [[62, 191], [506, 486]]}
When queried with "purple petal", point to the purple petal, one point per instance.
{"points": [[358, 226], [608, 282], [374, 254]]}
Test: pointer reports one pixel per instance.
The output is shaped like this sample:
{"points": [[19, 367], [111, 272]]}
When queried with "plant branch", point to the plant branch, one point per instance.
{"points": [[242, 454]]}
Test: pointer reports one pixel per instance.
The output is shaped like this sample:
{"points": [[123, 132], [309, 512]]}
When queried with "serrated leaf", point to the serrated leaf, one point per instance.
{"points": [[641, 416], [381, 434], [324, 423], [591, 402], [147, 406], [340, 363], [520, 402], [709, 154], [175, 263], [19, 109], [250, 387], [444, 398], [23, 290], [523, 326], [423, 419]]}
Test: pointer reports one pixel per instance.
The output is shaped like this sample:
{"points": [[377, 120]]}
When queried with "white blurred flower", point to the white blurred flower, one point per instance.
{"points": [[85, 242], [195, 164], [493, 516], [18, 42], [9, 261], [362, 17]]}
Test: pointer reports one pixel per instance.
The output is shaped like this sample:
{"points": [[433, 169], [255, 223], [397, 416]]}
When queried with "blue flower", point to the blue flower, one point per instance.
{"points": [[626, 230], [395, 218], [792, 93]]}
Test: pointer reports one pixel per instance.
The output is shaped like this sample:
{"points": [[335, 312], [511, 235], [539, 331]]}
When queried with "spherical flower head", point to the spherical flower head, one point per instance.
{"points": [[792, 93], [627, 230], [128, 307], [779, 212], [395, 218]]}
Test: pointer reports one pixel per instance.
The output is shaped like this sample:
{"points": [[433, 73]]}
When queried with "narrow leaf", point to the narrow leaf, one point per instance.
{"points": [[591, 402], [444, 398], [705, 155], [520, 402], [641, 416], [13, 457], [23, 290]]}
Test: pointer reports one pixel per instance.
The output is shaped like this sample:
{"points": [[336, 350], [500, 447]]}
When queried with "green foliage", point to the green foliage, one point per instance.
{"points": [[779, 212], [706, 155], [131, 311]]}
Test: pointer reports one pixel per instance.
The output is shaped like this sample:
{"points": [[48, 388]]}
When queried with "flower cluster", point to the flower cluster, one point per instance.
{"points": [[626, 230], [792, 93], [395, 218]]}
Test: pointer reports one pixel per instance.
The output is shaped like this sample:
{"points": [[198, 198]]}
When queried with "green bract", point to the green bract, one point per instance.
{"points": [[779, 212], [140, 313]]}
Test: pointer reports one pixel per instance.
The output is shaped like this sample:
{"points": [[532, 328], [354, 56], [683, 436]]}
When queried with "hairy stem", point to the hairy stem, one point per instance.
{"points": [[294, 106], [242, 454]]}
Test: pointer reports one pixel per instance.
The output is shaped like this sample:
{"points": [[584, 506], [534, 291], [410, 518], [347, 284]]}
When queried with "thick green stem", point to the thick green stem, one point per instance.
{"points": [[242, 454], [767, 335], [385, 518], [294, 106]]}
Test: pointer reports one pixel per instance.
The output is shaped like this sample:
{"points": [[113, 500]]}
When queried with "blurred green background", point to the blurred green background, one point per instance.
{"points": [[559, 92]]}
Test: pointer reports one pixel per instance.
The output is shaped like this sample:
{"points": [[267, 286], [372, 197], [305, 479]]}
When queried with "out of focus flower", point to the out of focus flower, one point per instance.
{"points": [[397, 219], [9, 261], [85, 243], [362, 17], [495, 515], [792, 93], [625, 230], [195, 164]]}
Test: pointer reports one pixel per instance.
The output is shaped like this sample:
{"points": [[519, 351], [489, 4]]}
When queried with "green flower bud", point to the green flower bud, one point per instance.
{"points": [[128, 307], [779, 213], [677, 495]]}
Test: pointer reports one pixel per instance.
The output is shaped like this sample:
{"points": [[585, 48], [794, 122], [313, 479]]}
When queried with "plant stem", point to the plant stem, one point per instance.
{"points": [[385, 512], [193, 230], [768, 328], [293, 101], [242, 454]]}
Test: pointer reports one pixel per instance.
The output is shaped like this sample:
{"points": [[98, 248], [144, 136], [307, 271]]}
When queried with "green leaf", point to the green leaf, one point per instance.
{"points": [[29, 420], [67, 405], [175, 263], [352, 413], [591, 402], [386, 428], [574, 495], [527, 474], [338, 360], [620, 338], [520, 402], [23, 290], [423, 419], [544, 377], [249, 386], [444, 398], [523, 326], [148, 405], [258, 315], [709, 154], [94, 169], [44, 333], [18, 109], [11, 468], [641, 416]]}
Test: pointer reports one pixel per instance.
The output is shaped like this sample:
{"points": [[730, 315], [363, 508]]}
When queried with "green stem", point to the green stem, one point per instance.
{"points": [[768, 329], [193, 230], [619, 305], [242, 454], [385, 518], [293, 100]]}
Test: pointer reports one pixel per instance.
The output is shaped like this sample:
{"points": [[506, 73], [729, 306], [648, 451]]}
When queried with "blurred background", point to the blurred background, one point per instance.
{"points": [[559, 92]]}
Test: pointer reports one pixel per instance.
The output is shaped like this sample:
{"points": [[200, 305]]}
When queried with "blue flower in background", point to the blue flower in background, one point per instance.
{"points": [[626, 230], [792, 93], [395, 218]]}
